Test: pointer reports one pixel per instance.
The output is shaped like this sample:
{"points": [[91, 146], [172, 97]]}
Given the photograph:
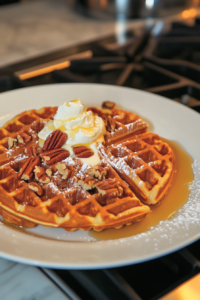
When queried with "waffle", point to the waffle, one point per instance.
{"points": [[68, 194], [145, 163], [141, 158]]}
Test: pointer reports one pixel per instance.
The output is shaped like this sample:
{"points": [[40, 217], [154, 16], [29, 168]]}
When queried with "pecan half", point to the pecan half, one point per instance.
{"points": [[55, 140], [53, 156], [34, 186], [40, 175], [109, 105], [30, 151], [26, 171], [82, 152], [12, 143], [63, 170], [23, 138], [86, 183], [97, 172], [109, 188]]}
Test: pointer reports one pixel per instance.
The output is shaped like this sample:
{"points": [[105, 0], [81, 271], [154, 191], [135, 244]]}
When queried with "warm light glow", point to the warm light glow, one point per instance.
{"points": [[46, 70], [188, 290], [195, 2], [103, 3], [189, 13], [48, 67]]}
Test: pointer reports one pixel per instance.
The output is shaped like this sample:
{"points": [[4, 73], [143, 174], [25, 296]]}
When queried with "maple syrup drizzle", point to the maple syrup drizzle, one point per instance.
{"points": [[165, 209]]}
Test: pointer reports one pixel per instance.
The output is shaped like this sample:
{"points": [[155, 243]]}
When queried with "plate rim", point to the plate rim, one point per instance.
{"points": [[99, 265]]}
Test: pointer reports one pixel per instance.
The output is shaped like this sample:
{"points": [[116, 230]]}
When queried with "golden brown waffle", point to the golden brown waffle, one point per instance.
{"points": [[145, 162], [120, 124], [30, 122], [66, 205], [81, 200], [141, 158]]}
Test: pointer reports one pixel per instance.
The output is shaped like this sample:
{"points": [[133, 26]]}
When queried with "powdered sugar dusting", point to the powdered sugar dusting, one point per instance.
{"points": [[183, 225], [118, 163], [84, 167], [166, 232], [187, 218], [190, 212], [51, 186], [69, 161], [129, 128], [18, 157]]}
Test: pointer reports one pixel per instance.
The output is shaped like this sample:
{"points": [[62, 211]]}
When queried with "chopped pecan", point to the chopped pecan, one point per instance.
{"points": [[109, 188], [77, 164], [36, 188], [124, 117], [40, 175], [82, 152], [109, 105], [108, 193], [12, 143], [53, 156], [55, 140], [110, 123], [104, 117], [39, 150], [63, 170], [30, 151], [49, 172], [97, 172], [53, 168], [26, 171], [72, 170], [23, 138], [86, 183]]}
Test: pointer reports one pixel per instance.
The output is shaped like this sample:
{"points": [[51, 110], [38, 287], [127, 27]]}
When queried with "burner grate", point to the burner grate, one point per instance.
{"points": [[145, 281], [168, 64]]}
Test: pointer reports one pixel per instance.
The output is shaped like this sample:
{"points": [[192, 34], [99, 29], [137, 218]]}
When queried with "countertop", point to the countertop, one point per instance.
{"points": [[21, 282], [33, 28], [37, 27]]}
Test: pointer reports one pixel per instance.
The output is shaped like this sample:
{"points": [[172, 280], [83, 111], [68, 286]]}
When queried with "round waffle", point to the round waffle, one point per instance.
{"points": [[83, 200]]}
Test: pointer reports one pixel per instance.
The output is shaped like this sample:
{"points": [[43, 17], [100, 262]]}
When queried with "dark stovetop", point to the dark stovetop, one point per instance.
{"points": [[162, 62]]}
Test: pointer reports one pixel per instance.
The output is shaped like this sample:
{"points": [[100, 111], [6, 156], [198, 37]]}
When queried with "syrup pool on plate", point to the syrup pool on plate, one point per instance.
{"points": [[168, 206]]}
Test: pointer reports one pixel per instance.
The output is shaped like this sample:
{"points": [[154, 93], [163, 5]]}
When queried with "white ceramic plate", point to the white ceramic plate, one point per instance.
{"points": [[78, 250]]}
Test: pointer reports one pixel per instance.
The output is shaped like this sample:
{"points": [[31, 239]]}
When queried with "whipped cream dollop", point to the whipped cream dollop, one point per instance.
{"points": [[81, 126]]}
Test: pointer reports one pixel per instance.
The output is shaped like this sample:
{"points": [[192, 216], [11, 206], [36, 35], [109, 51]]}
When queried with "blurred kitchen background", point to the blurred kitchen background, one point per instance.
{"points": [[152, 45]]}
